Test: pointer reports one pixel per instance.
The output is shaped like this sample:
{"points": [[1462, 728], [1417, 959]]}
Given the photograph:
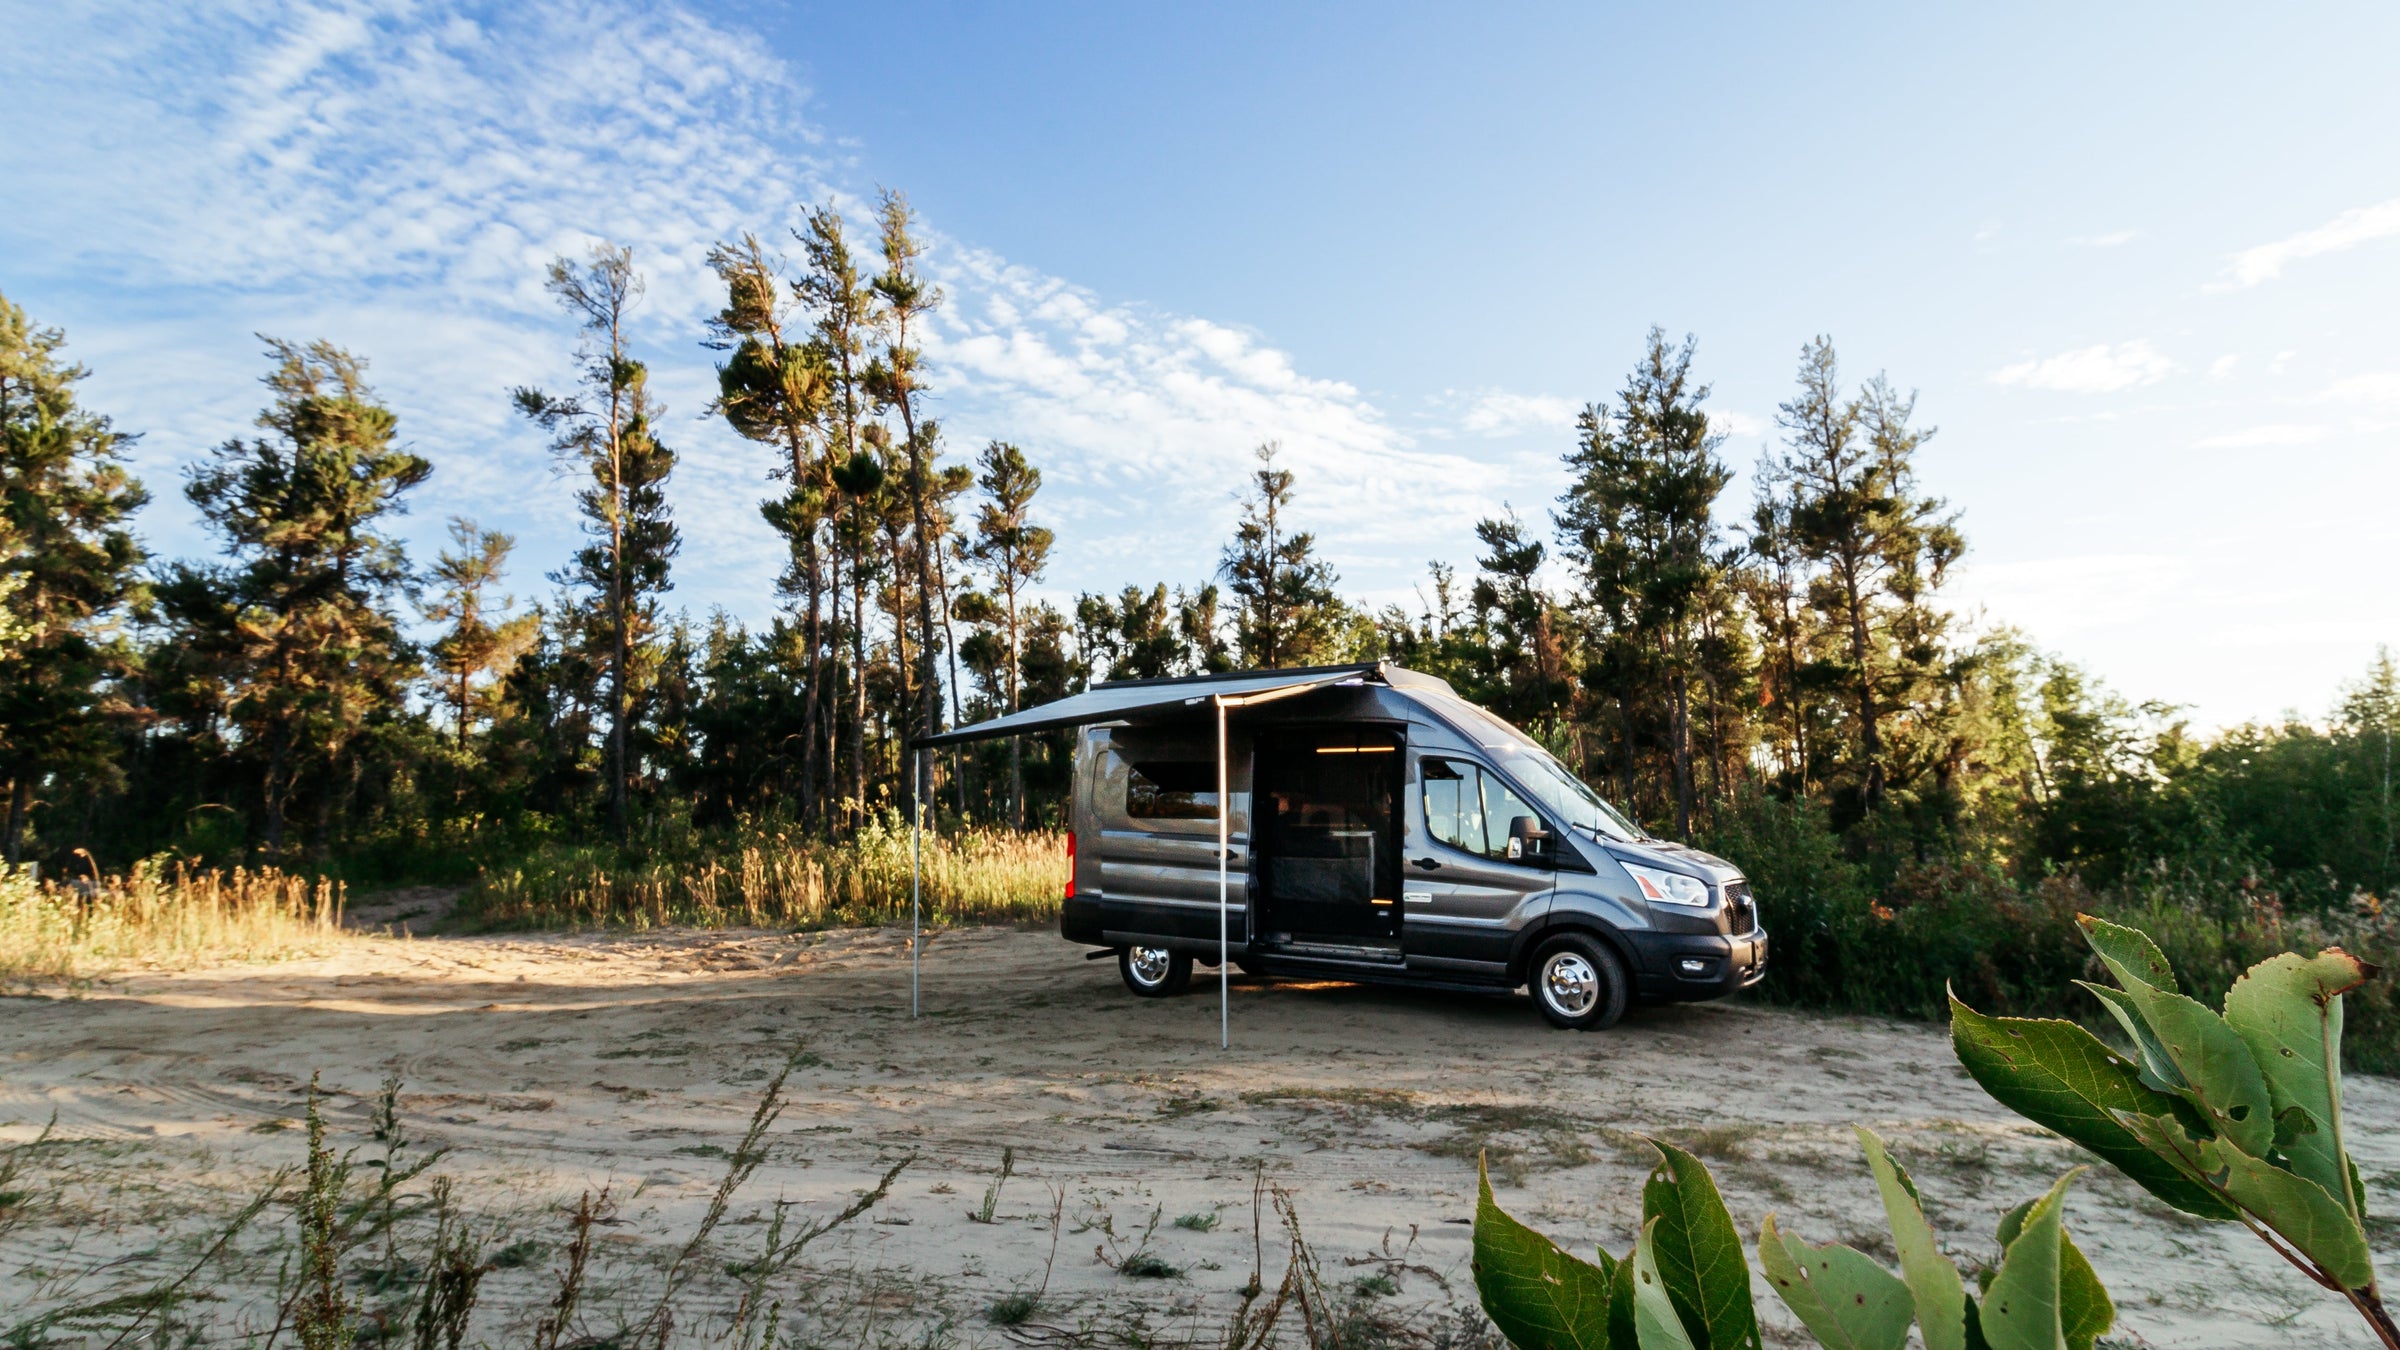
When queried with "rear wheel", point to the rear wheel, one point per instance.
{"points": [[1578, 983], [1154, 972]]}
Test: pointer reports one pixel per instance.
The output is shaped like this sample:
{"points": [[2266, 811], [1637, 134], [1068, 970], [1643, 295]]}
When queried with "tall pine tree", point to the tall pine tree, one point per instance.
{"points": [[1288, 606], [302, 620], [1638, 518], [607, 432], [69, 571]]}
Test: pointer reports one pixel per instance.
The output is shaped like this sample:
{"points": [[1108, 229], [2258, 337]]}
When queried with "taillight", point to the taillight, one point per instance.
{"points": [[1070, 864]]}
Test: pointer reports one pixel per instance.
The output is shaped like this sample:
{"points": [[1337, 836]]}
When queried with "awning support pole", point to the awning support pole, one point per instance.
{"points": [[916, 869], [1224, 890]]}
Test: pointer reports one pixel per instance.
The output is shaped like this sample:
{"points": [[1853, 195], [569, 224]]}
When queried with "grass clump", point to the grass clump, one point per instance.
{"points": [[778, 878], [157, 915]]}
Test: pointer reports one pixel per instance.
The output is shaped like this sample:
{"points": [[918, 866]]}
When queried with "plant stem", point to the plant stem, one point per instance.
{"points": [[2370, 1306]]}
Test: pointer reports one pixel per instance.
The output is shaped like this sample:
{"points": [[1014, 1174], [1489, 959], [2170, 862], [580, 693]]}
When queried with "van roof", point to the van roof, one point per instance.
{"points": [[1117, 700]]}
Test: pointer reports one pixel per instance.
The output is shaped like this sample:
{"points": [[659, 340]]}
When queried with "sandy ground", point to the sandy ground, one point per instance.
{"points": [[547, 1066]]}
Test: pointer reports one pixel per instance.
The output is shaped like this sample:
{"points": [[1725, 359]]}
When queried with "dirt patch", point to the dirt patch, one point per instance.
{"points": [[411, 910], [548, 1065]]}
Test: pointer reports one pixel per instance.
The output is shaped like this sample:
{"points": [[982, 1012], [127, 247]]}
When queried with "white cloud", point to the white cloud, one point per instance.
{"points": [[2056, 599], [1737, 425], [2265, 262], [2222, 366], [2112, 239], [2090, 370], [2279, 434], [1493, 412], [395, 176], [2379, 387]]}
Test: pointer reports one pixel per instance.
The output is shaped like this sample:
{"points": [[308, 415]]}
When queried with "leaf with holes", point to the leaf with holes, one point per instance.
{"points": [[1844, 1299], [2289, 1011], [1657, 1323]]}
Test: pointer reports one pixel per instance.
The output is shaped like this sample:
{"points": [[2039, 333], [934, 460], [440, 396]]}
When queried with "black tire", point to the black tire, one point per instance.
{"points": [[1154, 972], [1578, 983]]}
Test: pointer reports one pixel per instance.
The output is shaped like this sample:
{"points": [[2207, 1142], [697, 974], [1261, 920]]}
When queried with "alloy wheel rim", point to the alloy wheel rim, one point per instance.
{"points": [[1569, 984], [1149, 964]]}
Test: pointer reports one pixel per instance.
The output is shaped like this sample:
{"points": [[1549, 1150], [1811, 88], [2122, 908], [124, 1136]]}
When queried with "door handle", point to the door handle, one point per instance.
{"points": [[1429, 864]]}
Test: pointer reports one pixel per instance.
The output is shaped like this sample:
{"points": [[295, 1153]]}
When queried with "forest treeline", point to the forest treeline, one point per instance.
{"points": [[1727, 670]]}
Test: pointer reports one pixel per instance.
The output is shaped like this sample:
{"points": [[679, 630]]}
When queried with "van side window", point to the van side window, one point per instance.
{"points": [[1470, 809], [1172, 789]]}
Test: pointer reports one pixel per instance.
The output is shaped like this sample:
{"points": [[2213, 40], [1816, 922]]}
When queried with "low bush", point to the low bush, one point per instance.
{"points": [[1847, 940]]}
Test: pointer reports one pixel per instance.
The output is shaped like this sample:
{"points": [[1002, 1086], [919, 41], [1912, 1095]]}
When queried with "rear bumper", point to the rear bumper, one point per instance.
{"points": [[1684, 967]]}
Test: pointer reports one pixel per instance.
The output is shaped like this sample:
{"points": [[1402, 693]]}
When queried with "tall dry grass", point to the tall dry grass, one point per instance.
{"points": [[785, 880], [160, 917]]}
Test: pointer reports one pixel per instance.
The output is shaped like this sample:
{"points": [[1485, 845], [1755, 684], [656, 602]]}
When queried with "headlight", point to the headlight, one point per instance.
{"points": [[1673, 888]]}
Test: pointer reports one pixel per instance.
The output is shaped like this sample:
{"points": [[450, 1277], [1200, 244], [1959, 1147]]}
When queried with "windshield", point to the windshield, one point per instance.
{"points": [[1566, 796], [1524, 759]]}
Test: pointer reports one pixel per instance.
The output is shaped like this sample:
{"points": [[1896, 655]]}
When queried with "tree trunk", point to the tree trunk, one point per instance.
{"points": [[279, 767], [856, 813], [1870, 735], [1679, 730], [815, 693], [20, 802]]}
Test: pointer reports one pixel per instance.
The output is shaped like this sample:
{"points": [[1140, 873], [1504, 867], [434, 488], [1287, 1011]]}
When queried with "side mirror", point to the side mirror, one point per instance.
{"points": [[1526, 837]]}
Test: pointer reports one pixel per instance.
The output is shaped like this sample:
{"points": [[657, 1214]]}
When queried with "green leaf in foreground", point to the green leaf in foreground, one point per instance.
{"points": [[2060, 1076], [2129, 954], [1657, 1324], [1699, 1252], [1540, 1297], [2085, 1311], [2307, 1216], [2022, 1308], [2289, 1011], [1933, 1284], [2224, 1077], [1844, 1299]]}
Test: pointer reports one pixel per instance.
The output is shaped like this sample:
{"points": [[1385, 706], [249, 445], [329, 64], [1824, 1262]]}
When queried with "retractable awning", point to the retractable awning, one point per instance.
{"points": [[1119, 700]]}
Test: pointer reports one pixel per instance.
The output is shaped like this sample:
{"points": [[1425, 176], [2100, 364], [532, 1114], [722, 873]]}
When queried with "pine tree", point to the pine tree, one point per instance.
{"points": [[1014, 552], [847, 322], [897, 379], [776, 389], [1638, 516], [302, 620], [1878, 547], [69, 572], [608, 433], [1285, 591], [482, 638]]}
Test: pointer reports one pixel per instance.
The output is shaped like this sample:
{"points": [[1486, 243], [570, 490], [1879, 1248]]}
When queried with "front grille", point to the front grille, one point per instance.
{"points": [[1741, 912]]}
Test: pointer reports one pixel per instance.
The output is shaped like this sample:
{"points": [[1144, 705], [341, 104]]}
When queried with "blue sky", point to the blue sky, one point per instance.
{"points": [[2138, 260]]}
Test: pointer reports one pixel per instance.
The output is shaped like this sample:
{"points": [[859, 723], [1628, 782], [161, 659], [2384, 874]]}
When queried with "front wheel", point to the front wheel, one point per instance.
{"points": [[1579, 983], [1154, 972]]}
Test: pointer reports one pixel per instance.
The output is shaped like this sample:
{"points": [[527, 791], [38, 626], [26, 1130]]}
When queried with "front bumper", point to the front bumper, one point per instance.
{"points": [[1684, 967]]}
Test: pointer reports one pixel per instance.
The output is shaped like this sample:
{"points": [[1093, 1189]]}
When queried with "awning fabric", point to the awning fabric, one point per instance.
{"points": [[1124, 699]]}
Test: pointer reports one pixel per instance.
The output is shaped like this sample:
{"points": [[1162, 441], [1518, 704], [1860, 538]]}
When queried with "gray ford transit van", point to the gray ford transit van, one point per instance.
{"points": [[1382, 829]]}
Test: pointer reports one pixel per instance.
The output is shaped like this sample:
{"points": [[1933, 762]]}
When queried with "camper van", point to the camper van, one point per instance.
{"points": [[1379, 828]]}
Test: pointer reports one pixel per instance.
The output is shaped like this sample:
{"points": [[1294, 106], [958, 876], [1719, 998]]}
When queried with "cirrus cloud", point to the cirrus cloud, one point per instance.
{"points": [[2265, 262], [2101, 369]]}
